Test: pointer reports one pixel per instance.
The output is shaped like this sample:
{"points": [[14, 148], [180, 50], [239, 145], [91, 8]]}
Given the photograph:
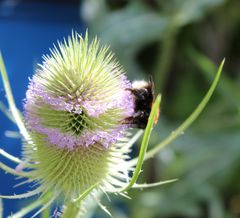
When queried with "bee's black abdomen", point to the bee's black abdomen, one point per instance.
{"points": [[139, 120], [143, 100]]}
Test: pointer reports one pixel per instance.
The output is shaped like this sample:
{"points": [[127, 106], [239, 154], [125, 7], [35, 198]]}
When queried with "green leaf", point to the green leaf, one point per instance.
{"points": [[144, 144], [227, 88], [155, 184]]}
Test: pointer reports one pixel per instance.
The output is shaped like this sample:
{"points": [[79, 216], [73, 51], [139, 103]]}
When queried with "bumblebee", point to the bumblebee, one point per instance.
{"points": [[143, 95]]}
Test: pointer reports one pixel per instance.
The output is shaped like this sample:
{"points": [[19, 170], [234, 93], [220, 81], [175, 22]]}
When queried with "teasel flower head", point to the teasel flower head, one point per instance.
{"points": [[75, 108], [78, 96], [78, 108]]}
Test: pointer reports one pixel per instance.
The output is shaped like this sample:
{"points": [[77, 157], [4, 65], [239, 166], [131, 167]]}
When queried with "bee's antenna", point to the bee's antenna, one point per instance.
{"points": [[150, 79]]}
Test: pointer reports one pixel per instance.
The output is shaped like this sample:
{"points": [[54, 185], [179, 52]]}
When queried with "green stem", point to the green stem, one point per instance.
{"points": [[5, 111], [15, 112], [164, 58]]}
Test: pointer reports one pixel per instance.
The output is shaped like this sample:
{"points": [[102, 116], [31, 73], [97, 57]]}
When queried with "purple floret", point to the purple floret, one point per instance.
{"points": [[38, 95], [37, 91], [86, 139]]}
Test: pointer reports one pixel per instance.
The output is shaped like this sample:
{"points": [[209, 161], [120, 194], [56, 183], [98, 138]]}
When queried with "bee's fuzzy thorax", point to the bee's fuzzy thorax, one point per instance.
{"points": [[143, 97], [137, 84]]}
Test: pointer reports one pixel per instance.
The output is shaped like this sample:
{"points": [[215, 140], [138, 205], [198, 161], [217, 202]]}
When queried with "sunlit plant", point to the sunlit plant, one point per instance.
{"points": [[75, 129]]}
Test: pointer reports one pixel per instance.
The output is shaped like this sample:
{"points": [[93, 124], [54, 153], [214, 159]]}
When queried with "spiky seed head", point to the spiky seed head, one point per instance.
{"points": [[78, 96], [74, 108]]}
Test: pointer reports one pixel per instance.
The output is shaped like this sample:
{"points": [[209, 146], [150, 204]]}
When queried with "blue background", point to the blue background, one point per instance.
{"points": [[27, 31]]}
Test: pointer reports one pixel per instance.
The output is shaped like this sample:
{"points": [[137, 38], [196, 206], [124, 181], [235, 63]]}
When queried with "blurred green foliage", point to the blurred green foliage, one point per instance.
{"points": [[181, 42]]}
